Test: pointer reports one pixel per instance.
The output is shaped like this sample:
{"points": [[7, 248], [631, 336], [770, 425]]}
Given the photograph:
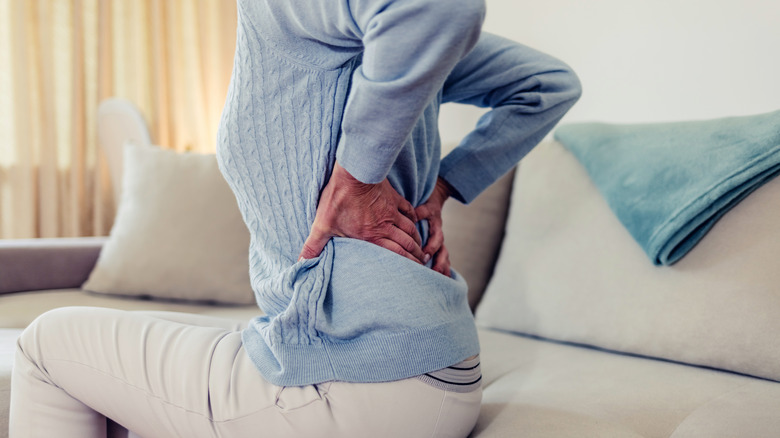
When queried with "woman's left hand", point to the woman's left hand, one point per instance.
{"points": [[431, 211]]}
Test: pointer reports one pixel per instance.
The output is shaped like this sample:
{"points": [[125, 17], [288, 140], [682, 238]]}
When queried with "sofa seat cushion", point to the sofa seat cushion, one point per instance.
{"points": [[7, 346], [17, 310], [538, 388]]}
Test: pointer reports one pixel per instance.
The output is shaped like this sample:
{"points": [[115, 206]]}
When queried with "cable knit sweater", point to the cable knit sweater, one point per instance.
{"points": [[361, 81]]}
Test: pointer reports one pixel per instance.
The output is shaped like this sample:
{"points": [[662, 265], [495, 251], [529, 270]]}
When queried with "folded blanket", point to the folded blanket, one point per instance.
{"points": [[669, 183]]}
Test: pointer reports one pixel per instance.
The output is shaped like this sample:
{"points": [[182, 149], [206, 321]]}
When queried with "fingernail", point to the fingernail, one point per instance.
{"points": [[426, 258], [300, 258]]}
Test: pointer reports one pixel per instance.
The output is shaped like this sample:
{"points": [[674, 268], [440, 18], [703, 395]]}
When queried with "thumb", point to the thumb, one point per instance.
{"points": [[314, 244]]}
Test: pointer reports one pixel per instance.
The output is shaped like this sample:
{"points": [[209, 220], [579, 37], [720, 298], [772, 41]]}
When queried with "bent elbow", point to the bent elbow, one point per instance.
{"points": [[574, 85], [560, 86], [566, 83]]}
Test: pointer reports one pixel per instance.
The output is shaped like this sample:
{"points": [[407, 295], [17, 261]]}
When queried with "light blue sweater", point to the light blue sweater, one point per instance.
{"points": [[361, 81]]}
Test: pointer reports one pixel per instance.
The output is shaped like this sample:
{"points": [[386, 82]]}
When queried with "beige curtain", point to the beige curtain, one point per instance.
{"points": [[60, 58]]}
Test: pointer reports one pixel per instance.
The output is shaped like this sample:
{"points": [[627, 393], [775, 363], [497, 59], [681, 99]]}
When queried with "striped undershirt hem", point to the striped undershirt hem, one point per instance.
{"points": [[462, 377]]}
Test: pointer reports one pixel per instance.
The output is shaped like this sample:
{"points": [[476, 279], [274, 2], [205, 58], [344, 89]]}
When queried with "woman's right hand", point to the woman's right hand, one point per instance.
{"points": [[375, 213], [431, 211]]}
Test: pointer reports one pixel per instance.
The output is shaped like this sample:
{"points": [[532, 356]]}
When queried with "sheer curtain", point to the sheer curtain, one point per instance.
{"points": [[60, 58]]}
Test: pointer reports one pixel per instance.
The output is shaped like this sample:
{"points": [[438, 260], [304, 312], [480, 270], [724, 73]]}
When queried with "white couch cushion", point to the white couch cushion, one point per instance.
{"points": [[543, 389], [568, 270], [7, 347], [20, 309], [178, 233]]}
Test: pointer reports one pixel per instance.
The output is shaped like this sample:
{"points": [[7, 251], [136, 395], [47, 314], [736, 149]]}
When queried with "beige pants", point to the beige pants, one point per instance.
{"points": [[163, 374]]}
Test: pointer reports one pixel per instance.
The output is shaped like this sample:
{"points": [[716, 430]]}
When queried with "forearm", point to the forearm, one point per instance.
{"points": [[528, 92], [504, 137]]}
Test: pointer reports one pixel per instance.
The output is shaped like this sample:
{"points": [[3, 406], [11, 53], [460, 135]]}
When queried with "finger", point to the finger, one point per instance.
{"points": [[406, 208], [406, 242], [314, 244], [396, 248], [435, 236], [407, 226], [441, 262]]}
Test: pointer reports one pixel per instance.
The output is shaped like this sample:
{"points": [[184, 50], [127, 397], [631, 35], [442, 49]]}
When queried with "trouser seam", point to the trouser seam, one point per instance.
{"points": [[438, 416], [208, 384]]}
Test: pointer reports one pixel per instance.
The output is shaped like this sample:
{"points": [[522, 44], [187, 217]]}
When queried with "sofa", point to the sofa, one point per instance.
{"points": [[581, 335]]}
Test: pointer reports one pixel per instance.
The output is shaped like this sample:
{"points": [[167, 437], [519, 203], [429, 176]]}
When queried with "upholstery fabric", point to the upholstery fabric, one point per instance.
{"points": [[7, 347], [473, 234], [35, 264], [569, 271], [178, 233], [543, 389], [20, 309]]}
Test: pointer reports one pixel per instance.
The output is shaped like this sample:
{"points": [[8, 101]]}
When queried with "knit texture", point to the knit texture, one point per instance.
{"points": [[362, 81]]}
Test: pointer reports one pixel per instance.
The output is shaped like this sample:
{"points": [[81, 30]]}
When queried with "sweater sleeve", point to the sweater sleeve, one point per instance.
{"points": [[528, 92], [410, 46]]}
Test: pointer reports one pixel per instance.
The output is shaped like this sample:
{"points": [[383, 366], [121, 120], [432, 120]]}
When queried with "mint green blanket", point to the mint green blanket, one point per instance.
{"points": [[669, 183]]}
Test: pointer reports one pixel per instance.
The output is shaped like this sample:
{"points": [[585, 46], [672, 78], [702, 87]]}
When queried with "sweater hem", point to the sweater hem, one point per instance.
{"points": [[377, 357]]}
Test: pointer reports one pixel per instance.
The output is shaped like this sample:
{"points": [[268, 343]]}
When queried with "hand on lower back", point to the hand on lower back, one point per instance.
{"points": [[375, 213], [431, 211]]}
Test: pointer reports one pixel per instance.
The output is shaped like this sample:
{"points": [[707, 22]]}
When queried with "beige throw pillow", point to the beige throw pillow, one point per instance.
{"points": [[568, 270], [178, 233], [473, 234]]}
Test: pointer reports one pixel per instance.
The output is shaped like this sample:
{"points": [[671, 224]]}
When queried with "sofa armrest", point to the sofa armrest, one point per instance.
{"points": [[38, 264]]}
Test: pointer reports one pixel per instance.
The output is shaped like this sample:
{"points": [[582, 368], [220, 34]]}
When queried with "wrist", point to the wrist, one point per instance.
{"points": [[344, 178], [444, 189]]}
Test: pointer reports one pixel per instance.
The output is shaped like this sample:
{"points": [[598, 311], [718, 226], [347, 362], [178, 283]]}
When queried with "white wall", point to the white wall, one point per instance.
{"points": [[648, 60]]}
